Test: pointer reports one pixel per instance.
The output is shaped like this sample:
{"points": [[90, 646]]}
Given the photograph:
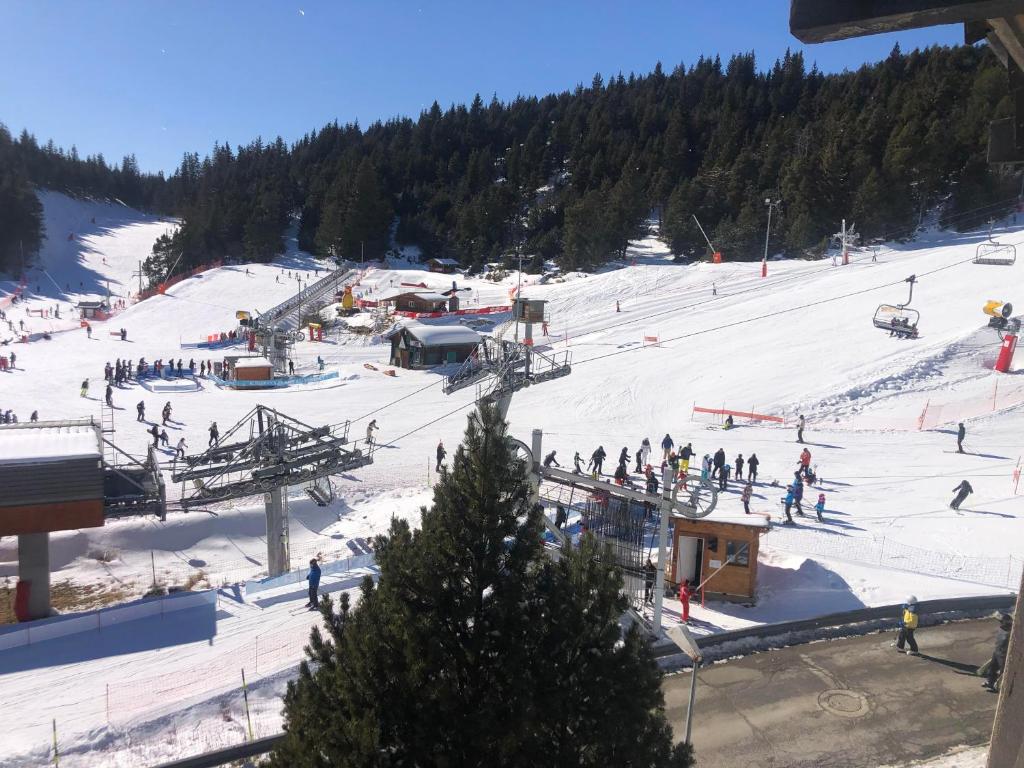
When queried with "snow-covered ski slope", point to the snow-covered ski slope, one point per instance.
{"points": [[798, 341]]}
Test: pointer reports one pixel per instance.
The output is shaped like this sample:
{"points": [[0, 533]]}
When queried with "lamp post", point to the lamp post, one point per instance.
{"points": [[767, 233]]}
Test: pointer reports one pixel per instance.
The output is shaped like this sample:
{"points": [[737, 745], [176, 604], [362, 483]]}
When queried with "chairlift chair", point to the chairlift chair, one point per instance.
{"points": [[898, 319], [321, 491], [991, 252]]}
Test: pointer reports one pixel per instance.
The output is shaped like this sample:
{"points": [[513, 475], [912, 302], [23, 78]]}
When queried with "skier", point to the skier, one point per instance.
{"points": [[819, 508], [124, 334], [624, 457], [140, 411], [908, 623], [788, 505], [110, 396], [752, 464], [550, 459], [961, 433], [202, 368], [319, 362], [596, 460], [650, 573], [577, 461], [684, 600], [666, 446], [748, 491], [313, 577], [739, 466], [723, 477], [88, 330], [164, 439], [684, 457], [718, 462], [214, 435], [998, 661], [441, 453], [14, 357], [291, 368], [705, 469], [805, 460], [370, 429], [179, 452], [800, 423], [155, 432], [166, 412], [639, 460], [962, 491], [645, 451], [85, 387], [798, 496], [34, 417]]}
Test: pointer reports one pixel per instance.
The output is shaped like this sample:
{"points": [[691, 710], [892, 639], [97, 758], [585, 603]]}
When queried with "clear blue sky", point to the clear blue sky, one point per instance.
{"points": [[160, 77]]}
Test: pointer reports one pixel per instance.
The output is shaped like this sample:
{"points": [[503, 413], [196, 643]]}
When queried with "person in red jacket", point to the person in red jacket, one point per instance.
{"points": [[805, 461], [684, 600]]}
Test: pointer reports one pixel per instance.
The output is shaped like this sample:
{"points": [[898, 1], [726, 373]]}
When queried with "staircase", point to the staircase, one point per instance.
{"points": [[107, 429]]}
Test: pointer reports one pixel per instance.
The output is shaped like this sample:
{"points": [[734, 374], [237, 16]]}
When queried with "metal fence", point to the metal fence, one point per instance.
{"points": [[1003, 572]]}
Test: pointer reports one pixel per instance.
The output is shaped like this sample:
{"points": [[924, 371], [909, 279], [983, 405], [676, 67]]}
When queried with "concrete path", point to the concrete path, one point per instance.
{"points": [[854, 703]]}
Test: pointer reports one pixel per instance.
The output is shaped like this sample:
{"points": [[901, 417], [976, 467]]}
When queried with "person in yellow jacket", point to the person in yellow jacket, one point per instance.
{"points": [[908, 623]]}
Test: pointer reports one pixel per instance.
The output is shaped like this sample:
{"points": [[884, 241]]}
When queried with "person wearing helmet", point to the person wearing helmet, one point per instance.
{"points": [[908, 623]]}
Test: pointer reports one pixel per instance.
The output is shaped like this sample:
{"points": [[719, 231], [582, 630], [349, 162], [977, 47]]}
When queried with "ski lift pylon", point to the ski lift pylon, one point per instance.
{"points": [[992, 252], [899, 319]]}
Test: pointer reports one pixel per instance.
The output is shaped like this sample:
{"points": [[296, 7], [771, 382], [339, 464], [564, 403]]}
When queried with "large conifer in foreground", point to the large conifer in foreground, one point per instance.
{"points": [[474, 648]]}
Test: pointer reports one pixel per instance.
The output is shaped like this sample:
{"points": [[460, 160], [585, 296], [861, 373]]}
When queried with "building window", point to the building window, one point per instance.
{"points": [[737, 553], [712, 543]]}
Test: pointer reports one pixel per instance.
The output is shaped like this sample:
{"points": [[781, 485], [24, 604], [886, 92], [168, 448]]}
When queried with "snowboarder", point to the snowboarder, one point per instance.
{"points": [[214, 434], [752, 464], [998, 661], [684, 457], [110, 396], [313, 577], [560, 517], [666, 446], [961, 433], [819, 508], [684, 600], [140, 411], [800, 424], [728, 422], [577, 461], [718, 462], [650, 574], [179, 452], [550, 459], [962, 491], [596, 460], [748, 491], [85, 387], [645, 451], [739, 466], [155, 432], [441, 453], [908, 623], [370, 429]]}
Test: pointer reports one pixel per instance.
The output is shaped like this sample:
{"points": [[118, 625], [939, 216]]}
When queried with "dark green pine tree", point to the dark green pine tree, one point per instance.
{"points": [[473, 648]]}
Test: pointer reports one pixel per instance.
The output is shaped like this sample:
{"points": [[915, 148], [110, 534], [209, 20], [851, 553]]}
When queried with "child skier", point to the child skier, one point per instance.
{"points": [[820, 507], [684, 600]]}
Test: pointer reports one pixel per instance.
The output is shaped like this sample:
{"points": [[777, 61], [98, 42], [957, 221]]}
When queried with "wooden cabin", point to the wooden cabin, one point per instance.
{"points": [[420, 301], [93, 310], [445, 266], [417, 345], [251, 369], [723, 545]]}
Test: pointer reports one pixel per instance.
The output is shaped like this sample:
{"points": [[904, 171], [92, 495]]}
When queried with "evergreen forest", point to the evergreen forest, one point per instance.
{"points": [[573, 176]]}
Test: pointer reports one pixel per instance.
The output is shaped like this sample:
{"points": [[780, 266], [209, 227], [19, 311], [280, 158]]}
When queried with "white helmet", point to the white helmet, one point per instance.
{"points": [[911, 600]]}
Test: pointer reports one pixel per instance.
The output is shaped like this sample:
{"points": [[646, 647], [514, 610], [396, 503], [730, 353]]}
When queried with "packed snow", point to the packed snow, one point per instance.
{"points": [[649, 340]]}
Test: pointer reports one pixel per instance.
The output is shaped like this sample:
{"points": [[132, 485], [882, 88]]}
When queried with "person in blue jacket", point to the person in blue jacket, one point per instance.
{"points": [[788, 502], [798, 495], [313, 577], [667, 444]]}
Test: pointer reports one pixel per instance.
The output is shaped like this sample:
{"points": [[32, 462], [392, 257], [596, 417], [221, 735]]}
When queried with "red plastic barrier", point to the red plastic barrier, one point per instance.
{"points": [[739, 414]]}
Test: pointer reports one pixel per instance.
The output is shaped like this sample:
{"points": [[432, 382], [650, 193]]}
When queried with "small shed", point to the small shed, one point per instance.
{"points": [[252, 369], [93, 310], [446, 266], [722, 549], [421, 301], [417, 345]]}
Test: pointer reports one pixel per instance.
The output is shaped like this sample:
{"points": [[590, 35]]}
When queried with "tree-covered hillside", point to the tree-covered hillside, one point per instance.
{"points": [[573, 176]]}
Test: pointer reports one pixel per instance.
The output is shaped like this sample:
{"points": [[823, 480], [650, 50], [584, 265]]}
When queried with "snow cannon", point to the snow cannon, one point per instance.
{"points": [[1000, 318]]}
